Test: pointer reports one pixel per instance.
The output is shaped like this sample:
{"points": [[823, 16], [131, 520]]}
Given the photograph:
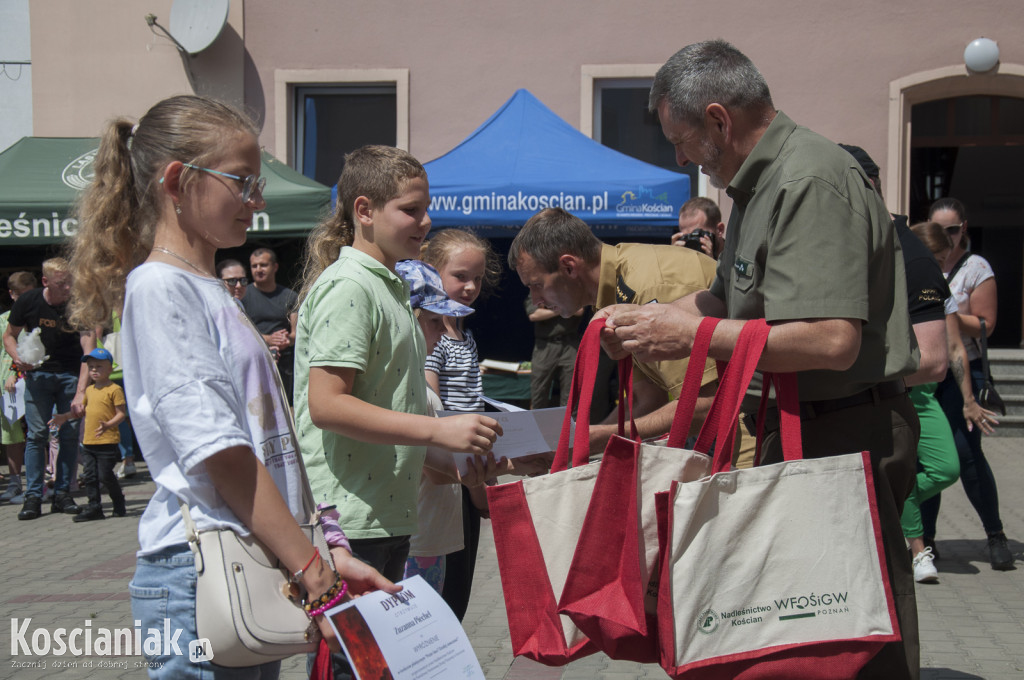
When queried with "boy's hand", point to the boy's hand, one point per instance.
{"points": [[101, 428], [468, 433], [59, 419]]}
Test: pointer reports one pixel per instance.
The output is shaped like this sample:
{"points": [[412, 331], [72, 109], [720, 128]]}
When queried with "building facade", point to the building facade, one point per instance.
{"points": [[323, 76]]}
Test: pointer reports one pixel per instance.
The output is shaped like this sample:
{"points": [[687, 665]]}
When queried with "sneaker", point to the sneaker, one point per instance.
{"points": [[13, 490], [90, 513], [999, 554], [119, 470], [129, 469], [930, 543], [924, 570], [33, 508], [63, 502], [19, 499]]}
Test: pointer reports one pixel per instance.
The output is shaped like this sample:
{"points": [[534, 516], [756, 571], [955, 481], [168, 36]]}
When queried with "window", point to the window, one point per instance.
{"points": [[331, 121], [621, 122], [322, 114]]}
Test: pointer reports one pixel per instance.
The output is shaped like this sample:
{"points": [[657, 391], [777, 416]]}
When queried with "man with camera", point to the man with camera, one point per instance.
{"points": [[700, 227], [566, 268]]}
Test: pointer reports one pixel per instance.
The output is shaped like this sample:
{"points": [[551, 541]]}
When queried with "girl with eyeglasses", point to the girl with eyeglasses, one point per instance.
{"points": [[201, 385]]}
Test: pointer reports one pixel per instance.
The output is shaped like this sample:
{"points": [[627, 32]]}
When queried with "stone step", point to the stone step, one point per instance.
{"points": [[1008, 385], [1014, 403], [1010, 425], [1006, 362]]}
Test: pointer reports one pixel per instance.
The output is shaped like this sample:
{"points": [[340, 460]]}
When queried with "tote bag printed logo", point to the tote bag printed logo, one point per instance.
{"points": [[810, 606], [708, 621]]}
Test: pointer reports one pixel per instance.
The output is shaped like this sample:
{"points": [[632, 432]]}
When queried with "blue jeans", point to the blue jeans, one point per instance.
{"points": [[164, 588], [975, 473], [44, 391]]}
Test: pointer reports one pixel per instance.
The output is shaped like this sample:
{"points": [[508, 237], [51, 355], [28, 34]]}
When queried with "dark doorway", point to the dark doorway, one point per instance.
{"points": [[972, 148]]}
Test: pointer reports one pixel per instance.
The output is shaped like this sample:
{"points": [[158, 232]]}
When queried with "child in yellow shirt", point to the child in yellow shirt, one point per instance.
{"points": [[104, 410]]}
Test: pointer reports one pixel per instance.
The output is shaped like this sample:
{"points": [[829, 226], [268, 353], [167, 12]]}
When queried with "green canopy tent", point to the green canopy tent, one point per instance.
{"points": [[40, 178]]}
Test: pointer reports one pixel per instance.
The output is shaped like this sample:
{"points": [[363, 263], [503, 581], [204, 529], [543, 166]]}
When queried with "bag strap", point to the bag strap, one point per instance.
{"points": [[581, 395], [687, 404], [959, 263], [720, 425], [788, 403], [625, 400], [983, 347]]}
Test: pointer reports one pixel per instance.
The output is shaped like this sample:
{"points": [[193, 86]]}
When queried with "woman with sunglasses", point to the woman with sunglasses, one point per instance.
{"points": [[232, 273], [203, 391], [973, 284]]}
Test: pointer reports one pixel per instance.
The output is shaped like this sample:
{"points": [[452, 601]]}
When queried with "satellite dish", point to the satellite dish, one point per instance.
{"points": [[195, 24]]}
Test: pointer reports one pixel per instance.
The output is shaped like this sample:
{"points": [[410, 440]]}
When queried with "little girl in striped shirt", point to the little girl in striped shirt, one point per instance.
{"points": [[467, 265]]}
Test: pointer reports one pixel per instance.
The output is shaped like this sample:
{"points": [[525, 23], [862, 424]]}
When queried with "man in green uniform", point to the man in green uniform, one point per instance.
{"points": [[566, 268], [811, 248]]}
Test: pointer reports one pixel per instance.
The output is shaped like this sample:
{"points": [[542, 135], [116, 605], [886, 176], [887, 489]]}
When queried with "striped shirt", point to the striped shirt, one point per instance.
{"points": [[457, 366]]}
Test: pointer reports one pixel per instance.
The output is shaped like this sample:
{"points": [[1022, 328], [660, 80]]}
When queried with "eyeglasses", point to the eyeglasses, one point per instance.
{"points": [[252, 186], [954, 229], [240, 281]]}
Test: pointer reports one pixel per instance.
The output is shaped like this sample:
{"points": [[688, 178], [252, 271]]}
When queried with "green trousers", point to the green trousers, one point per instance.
{"points": [[938, 465]]}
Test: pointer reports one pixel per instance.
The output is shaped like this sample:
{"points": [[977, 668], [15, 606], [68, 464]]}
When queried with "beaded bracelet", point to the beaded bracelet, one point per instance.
{"points": [[313, 613], [329, 594]]}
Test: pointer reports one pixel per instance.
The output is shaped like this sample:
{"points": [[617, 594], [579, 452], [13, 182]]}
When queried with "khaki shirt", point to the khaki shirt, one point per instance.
{"points": [[639, 273], [810, 238]]}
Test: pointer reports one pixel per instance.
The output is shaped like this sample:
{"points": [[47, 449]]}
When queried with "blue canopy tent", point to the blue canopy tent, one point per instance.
{"points": [[525, 158]]}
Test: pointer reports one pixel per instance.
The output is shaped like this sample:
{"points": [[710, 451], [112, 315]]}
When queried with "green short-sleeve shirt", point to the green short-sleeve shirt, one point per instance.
{"points": [[810, 238], [358, 315], [640, 273]]}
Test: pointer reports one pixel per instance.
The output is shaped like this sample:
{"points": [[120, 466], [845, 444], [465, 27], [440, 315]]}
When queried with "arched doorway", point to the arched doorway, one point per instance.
{"points": [[963, 136]]}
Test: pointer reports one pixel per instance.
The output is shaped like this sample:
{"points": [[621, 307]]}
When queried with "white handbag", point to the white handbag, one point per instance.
{"points": [[241, 603]]}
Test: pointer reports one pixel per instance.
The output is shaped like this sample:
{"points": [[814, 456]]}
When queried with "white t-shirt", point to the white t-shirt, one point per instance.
{"points": [[199, 379], [440, 512], [970, 275]]}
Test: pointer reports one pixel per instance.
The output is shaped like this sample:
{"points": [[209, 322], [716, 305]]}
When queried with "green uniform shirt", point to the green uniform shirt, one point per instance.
{"points": [[358, 316], [810, 238], [639, 273]]}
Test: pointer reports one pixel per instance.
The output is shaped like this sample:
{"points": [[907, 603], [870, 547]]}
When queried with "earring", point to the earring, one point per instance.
{"points": [[177, 208]]}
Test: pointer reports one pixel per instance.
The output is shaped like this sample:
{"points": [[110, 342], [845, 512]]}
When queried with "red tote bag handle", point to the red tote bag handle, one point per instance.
{"points": [[687, 403], [723, 418], [581, 395]]}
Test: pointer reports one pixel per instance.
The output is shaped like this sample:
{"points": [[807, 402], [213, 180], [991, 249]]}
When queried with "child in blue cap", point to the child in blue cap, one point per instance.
{"points": [[440, 500], [105, 409]]}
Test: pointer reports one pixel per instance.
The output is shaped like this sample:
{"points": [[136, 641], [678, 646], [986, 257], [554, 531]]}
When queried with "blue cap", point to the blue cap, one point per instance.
{"points": [[99, 353], [427, 291]]}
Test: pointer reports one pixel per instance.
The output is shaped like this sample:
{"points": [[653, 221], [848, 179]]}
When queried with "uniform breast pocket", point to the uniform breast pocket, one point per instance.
{"points": [[744, 274]]}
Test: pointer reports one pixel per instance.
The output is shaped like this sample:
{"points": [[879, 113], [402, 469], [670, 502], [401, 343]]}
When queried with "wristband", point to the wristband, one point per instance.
{"points": [[297, 576]]}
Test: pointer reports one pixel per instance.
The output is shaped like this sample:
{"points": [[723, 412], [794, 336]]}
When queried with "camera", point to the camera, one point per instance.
{"points": [[692, 240]]}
